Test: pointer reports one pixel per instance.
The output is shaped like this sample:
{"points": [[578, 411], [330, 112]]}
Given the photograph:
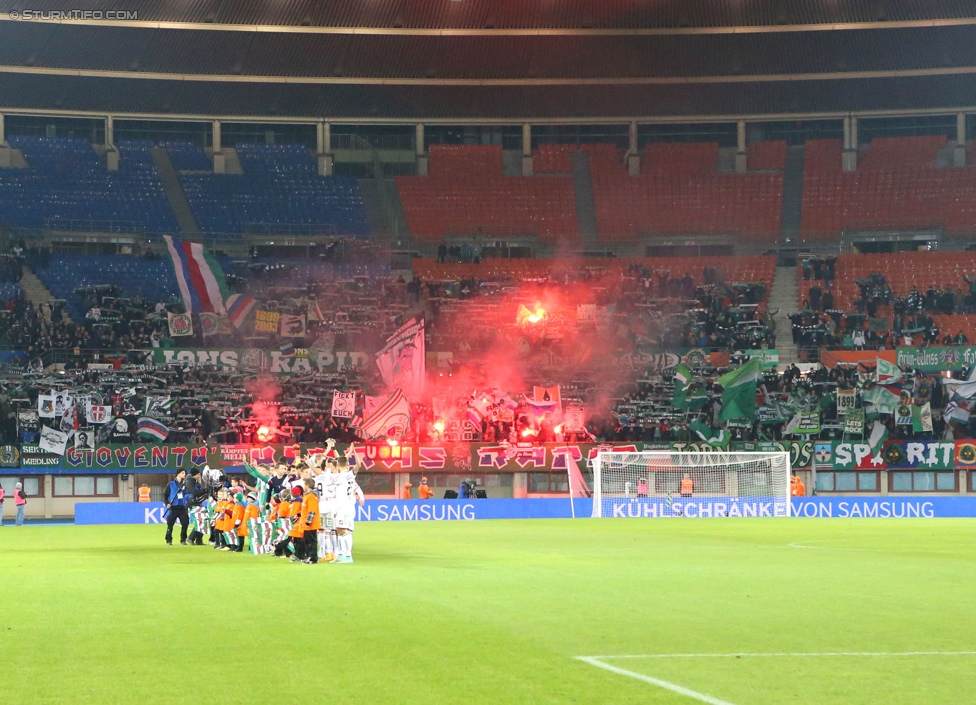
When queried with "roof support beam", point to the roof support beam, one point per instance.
{"points": [[959, 153], [5, 156]]}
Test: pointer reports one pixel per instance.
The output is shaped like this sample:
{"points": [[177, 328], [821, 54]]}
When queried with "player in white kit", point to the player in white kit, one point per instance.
{"points": [[327, 486], [344, 515]]}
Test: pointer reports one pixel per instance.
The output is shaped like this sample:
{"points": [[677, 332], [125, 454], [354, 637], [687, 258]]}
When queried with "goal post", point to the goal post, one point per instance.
{"points": [[662, 483]]}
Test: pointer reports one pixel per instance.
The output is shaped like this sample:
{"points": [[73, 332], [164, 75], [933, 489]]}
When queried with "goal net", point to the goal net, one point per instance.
{"points": [[661, 483]]}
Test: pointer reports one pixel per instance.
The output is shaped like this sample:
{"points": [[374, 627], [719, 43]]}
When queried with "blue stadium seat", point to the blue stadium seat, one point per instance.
{"points": [[67, 184], [151, 279], [279, 189]]}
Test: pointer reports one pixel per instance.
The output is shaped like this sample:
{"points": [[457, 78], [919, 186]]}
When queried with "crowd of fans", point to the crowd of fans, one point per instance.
{"points": [[633, 312]]}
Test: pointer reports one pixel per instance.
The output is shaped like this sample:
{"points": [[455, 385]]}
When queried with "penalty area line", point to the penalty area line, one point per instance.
{"points": [[673, 687]]}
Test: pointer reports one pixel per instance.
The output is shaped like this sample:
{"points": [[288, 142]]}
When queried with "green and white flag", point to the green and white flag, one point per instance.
{"points": [[739, 391], [922, 418], [884, 399], [709, 434], [682, 379], [802, 423], [887, 372], [879, 434]]}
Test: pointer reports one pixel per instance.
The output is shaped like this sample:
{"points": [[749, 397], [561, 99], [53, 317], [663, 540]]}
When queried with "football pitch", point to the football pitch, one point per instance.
{"points": [[545, 611]]}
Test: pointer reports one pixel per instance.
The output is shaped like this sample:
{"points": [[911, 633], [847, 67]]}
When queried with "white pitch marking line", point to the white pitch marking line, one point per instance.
{"points": [[786, 654], [824, 548], [673, 687]]}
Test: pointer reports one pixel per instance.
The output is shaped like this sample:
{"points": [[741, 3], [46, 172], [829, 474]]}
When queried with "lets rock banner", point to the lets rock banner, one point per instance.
{"points": [[304, 361]]}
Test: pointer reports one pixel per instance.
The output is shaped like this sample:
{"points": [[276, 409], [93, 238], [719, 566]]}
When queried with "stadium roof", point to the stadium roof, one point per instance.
{"points": [[626, 15], [492, 60]]}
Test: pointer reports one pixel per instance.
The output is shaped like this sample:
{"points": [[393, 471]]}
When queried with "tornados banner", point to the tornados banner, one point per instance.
{"points": [[198, 275], [402, 361]]}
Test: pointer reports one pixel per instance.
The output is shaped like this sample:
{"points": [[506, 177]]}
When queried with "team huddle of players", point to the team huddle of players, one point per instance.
{"points": [[308, 514]]}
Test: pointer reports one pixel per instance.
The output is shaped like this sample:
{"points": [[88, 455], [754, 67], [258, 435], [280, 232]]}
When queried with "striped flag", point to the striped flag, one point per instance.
{"points": [[151, 428], [238, 307], [198, 275], [287, 348], [200, 519], [262, 533]]}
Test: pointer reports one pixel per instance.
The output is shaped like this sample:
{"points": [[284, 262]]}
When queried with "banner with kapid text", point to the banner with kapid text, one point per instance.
{"points": [[303, 361]]}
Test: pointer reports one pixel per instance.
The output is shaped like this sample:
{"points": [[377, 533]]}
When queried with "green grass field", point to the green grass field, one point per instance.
{"points": [[498, 611]]}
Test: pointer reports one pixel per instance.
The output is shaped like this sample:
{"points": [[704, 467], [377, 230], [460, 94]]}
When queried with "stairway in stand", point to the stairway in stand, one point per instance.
{"points": [[783, 297], [37, 293]]}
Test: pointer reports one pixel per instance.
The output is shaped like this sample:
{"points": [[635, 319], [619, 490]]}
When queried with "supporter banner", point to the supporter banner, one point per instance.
{"points": [[664, 361], [180, 324], [110, 459], [459, 458], [33, 456], [801, 452], [302, 362], [832, 358], [846, 401], [937, 358], [9, 457], [839, 507], [896, 455]]}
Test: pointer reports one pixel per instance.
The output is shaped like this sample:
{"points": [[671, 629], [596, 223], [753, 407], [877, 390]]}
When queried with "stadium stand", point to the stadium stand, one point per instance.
{"points": [[186, 156], [896, 187], [465, 194], [149, 279], [67, 186], [280, 191], [680, 192]]}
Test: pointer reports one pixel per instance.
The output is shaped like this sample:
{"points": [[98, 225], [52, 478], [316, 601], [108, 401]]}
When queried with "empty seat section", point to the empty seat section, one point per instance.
{"points": [[450, 160], [186, 156], [279, 191], [68, 185], [553, 158], [466, 194], [679, 192], [680, 158], [469, 205], [766, 156], [895, 187]]}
